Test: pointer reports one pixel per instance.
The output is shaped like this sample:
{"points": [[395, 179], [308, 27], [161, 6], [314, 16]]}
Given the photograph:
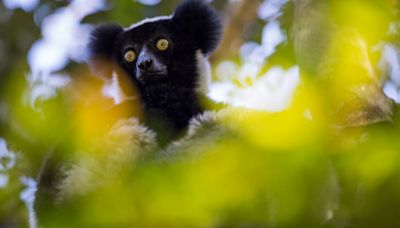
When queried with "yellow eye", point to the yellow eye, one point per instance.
{"points": [[162, 44], [130, 56]]}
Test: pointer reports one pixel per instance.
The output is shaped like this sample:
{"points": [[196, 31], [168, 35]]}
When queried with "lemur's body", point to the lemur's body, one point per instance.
{"points": [[165, 57]]}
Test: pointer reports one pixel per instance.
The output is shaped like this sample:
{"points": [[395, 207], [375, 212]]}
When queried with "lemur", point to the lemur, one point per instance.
{"points": [[166, 58]]}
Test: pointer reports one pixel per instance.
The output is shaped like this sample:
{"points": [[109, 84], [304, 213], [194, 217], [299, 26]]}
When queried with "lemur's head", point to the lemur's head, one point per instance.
{"points": [[161, 49]]}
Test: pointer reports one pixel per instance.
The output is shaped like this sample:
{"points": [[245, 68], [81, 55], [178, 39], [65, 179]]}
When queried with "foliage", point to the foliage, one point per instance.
{"points": [[325, 156]]}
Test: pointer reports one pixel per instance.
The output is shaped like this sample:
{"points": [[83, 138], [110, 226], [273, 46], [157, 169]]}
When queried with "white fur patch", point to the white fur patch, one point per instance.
{"points": [[112, 89], [148, 20], [204, 70], [200, 121], [203, 129], [118, 149]]}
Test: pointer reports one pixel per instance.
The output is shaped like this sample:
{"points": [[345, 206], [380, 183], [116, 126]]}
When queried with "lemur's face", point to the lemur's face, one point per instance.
{"points": [[155, 51], [163, 49]]}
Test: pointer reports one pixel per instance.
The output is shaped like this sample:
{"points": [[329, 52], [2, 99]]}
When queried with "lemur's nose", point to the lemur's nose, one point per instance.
{"points": [[145, 64]]}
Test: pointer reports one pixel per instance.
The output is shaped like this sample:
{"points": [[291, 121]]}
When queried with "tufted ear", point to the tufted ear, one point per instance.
{"points": [[201, 22], [102, 39], [101, 46]]}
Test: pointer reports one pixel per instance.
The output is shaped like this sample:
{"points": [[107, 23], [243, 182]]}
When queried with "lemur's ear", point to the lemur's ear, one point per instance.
{"points": [[101, 46], [199, 20], [102, 40]]}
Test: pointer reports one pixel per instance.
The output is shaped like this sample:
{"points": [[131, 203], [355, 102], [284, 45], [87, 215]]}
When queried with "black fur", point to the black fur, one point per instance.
{"points": [[170, 99], [102, 39], [201, 22], [101, 47]]}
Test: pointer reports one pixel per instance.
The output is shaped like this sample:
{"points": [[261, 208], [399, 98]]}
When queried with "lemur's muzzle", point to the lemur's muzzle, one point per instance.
{"points": [[148, 67]]}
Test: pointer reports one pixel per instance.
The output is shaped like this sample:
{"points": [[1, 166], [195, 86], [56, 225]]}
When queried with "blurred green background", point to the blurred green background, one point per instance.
{"points": [[310, 138]]}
